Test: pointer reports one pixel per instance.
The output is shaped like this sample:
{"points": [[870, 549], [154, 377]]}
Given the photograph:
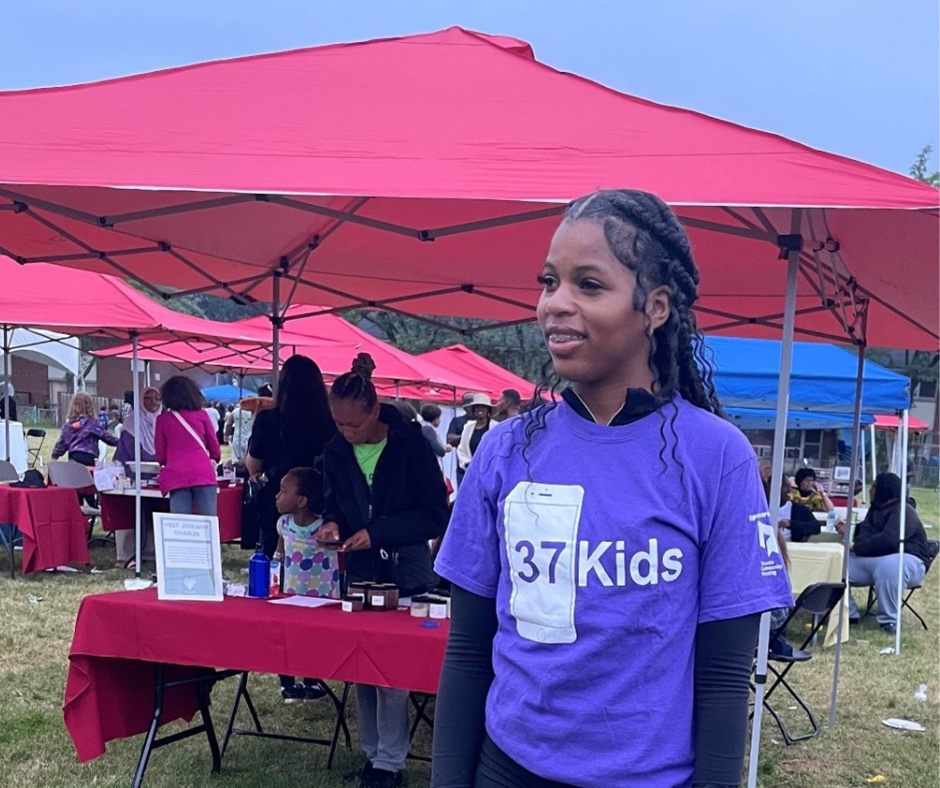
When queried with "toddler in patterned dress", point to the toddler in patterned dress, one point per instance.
{"points": [[299, 502]]}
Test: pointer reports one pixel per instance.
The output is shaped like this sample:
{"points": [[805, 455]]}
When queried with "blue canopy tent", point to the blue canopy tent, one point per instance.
{"points": [[227, 394], [822, 379], [764, 418]]}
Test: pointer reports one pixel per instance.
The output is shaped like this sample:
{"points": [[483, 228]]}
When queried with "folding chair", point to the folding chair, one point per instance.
{"points": [[817, 600], [76, 476], [933, 549], [34, 450]]}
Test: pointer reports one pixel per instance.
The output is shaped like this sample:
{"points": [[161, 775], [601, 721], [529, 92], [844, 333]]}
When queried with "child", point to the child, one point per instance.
{"points": [[299, 502]]}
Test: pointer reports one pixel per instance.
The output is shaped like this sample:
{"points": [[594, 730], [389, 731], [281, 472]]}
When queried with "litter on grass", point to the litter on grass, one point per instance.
{"points": [[921, 694], [878, 778], [33, 599], [903, 725], [887, 650]]}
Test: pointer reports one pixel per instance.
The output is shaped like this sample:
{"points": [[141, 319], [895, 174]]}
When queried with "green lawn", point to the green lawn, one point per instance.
{"points": [[35, 749]]}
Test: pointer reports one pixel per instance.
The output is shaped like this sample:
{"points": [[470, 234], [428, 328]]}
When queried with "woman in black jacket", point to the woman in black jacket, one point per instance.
{"points": [[291, 434], [385, 498], [876, 550]]}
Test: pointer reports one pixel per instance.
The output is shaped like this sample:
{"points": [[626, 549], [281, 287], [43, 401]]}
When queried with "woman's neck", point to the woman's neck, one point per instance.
{"points": [[481, 424], [604, 402], [379, 433]]}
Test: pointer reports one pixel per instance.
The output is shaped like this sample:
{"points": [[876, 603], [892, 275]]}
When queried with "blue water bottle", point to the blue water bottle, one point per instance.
{"points": [[259, 575]]}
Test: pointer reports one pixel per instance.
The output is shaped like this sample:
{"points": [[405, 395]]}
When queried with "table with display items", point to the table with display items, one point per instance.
{"points": [[117, 509], [54, 531], [812, 562], [137, 663]]}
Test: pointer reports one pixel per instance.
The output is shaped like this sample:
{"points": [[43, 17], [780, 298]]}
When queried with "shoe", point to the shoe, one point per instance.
{"points": [[294, 694], [890, 627], [313, 692], [854, 622], [364, 774], [381, 778]]}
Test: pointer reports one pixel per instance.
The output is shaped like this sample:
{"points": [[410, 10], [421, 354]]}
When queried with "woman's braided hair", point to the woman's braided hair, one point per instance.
{"points": [[645, 235], [357, 383]]}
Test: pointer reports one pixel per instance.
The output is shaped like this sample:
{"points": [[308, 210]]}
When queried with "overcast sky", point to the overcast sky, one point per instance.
{"points": [[857, 77]]}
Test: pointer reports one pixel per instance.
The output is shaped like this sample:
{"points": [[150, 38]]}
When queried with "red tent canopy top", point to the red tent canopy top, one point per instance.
{"points": [[427, 173], [893, 422]]}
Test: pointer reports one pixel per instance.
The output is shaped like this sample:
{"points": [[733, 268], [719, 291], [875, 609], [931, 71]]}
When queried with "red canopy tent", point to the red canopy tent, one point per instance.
{"points": [[893, 422], [427, 173], [487, 377]]}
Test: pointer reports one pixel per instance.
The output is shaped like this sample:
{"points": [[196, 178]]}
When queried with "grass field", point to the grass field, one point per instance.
{"points": [[35, 749]]}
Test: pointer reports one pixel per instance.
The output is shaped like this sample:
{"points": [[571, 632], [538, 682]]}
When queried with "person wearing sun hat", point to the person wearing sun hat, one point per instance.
{"points": [[480, 411]]}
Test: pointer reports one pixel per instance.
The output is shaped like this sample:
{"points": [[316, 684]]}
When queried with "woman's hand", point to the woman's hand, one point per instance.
{"points": [[328, 532], [358, 541]]}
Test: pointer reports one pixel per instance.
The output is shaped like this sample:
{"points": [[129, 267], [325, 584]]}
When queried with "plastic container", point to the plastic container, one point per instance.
{"points": [[275, 578], [353, 604], [420, 606], [259, 575], [831, 522]]}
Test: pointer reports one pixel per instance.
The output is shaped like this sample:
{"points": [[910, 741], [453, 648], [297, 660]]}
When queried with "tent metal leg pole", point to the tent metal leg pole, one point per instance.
{"points": [[276, 330], [6, 392], [138, 583], [874, 456], [847, 536], [137, 506], [780, 439], [904, 438], [760, 684]]}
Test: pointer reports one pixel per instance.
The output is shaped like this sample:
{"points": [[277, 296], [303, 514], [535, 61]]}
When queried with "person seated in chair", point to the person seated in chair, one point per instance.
{"points": [[876, 550], [809, 493], [796, 522]]}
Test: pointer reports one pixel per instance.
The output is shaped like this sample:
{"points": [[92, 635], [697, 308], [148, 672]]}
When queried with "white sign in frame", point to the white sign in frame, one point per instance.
{"points": [[189, 557]]}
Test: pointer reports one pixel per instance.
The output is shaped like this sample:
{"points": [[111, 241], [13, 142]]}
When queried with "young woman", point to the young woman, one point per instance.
{"points": [[385, 497], [187, 449], [610, 553], [292, 433], [140, 425]]}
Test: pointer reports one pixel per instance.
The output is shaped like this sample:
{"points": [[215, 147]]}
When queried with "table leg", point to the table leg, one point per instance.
{"points": [[159, 688], [340, 705], [241, 692], [203, 688]]}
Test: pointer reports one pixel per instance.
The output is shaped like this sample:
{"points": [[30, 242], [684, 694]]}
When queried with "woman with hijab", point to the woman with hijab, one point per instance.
{"points": [[140, 425]]}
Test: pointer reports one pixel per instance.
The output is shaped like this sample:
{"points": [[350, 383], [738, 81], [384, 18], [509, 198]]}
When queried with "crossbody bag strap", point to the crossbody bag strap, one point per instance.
{"points": [[191, 431]]}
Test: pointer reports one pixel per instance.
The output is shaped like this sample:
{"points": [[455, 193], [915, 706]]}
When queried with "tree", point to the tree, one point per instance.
{"points": [[919, 168]]}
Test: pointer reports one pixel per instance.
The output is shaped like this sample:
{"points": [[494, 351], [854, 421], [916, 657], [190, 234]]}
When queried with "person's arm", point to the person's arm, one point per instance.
{"points": [[211, 438], [254, 459], [869, 542], [459, 719], [102, 434], [453, 435], [431, 436], [724, 658], [463, 449], [427, 518], [62, 445]]}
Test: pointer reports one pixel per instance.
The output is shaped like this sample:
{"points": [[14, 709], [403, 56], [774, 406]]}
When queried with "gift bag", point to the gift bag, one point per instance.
{"points": [[309, 568]]}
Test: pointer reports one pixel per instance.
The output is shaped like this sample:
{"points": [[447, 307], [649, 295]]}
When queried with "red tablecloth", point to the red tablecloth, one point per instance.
{"points": [[50, 519], [118, 637], [117, 511]]}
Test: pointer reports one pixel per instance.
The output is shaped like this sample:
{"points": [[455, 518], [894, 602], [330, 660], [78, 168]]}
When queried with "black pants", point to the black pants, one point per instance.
{"points": [[498, 770], [88, 460]]}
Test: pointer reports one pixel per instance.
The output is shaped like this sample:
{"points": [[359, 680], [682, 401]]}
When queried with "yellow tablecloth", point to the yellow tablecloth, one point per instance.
{"points": [[812, 562]]}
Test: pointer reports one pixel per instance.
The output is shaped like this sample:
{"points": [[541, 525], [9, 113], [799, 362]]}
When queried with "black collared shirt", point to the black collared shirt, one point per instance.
{"points": [[638, 404]]}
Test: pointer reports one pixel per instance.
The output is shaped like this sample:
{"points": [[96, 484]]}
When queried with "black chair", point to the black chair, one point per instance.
{"points": [[34, 450], [933, 549], [818, 601]]}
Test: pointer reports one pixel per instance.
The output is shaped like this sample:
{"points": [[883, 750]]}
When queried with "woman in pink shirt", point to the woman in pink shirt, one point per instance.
{"points": [[186, 447]]}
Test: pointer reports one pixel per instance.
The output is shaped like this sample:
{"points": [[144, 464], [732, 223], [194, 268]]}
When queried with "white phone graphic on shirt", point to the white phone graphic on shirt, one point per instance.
{"points": [[541, 523]]}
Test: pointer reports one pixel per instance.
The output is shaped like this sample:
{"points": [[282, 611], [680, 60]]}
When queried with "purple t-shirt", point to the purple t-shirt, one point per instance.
{"points": [[603, 561]]}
